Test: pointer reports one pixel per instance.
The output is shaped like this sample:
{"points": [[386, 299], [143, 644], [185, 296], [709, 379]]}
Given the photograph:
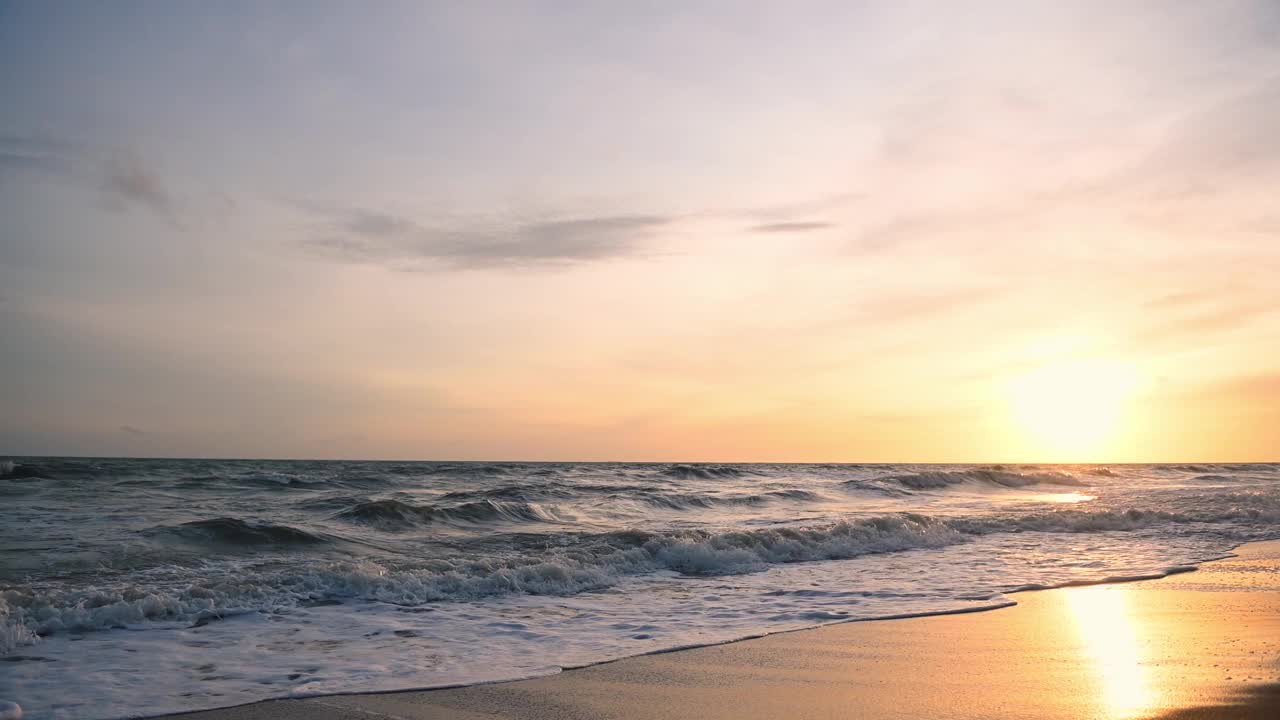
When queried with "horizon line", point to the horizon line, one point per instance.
{"points": [[228, 458]]}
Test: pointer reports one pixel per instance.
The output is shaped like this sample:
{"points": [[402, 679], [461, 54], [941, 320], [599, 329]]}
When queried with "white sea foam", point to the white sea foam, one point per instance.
{"points": [[581, 566], [571, 570]]}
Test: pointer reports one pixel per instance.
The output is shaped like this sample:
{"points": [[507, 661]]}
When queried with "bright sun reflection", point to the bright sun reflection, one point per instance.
{"points": [[1105, 626], [1068, 411], [1070, 498]]}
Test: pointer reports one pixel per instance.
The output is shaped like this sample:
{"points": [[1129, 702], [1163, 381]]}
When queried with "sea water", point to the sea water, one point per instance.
{"points": [[140, 587]]}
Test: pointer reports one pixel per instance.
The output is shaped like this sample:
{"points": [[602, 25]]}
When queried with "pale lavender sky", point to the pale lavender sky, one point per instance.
{"points": [[889, 231]]}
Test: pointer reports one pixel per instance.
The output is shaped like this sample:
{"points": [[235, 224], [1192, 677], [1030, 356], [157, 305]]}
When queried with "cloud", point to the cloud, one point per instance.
{"points": [[1260, 390], [126, 180], [363, 222], [926, 226], [25, 154], [1182, 298], [363, 236], [1263, 388], [132, 184], [1203, 325], [789, 227], [1236, 135], [1223, 147]]}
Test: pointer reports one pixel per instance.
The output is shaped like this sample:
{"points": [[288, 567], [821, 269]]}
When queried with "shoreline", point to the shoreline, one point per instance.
{"points": [[530, 697]]}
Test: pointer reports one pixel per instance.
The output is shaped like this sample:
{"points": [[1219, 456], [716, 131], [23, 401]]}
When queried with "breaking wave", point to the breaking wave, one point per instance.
{"points": [[579, 564], [547, 490], [397, 515], [10, 470], [592, 563], [940, 479]]}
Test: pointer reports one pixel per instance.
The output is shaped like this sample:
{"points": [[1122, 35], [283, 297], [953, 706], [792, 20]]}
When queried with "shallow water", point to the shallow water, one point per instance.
{"points": [[148, 586]]}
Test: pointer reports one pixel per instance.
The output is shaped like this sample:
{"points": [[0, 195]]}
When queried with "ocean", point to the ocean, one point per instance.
{"points": [[141, 587]]}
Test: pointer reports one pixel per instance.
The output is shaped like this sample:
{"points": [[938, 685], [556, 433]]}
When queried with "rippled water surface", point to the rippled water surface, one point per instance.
{"points": [[148, 586]]}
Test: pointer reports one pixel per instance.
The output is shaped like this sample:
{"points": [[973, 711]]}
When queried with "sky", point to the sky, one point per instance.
{"points": [[677, 231]]}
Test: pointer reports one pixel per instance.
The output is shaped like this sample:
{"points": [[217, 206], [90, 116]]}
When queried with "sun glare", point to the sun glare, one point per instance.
{"points": [[1109, 641], [1071, 411]]}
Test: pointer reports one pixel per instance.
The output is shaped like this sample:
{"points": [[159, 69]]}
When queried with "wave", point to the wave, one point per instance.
{"points": [[694, 501], [285, 481], [705, 472], [551, 490], [9, 470], [1220, 467], [1107, 580], [571, 564], [234, 531], [594, 562], [45, 468], [458, 469], [940, 479], [527, 491], [1213, 479], [523, 493], [1241, 508], [394, 514], [731, 553], [273, 480]]}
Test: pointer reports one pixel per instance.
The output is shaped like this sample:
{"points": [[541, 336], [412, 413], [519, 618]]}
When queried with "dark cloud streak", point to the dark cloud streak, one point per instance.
{"points": [[363, 236], [790, 227], [126, 180], [132, 184]]}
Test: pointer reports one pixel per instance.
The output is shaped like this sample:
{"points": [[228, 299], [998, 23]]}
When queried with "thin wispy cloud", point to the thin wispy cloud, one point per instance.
{"points": [[124, 178], [1224, 144], [1205, 325], [1257, 390], [25, 154], [790, 227], [363, 236]]}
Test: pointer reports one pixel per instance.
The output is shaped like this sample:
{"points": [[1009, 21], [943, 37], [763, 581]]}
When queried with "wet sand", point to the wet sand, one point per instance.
{"points": [[1188, 647]]}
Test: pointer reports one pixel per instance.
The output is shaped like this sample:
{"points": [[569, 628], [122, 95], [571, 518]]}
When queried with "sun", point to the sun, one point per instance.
{"points": [[1072, 410]]}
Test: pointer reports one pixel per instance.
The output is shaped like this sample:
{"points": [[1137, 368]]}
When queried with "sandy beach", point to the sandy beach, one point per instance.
{"points": [[1197, 645]]}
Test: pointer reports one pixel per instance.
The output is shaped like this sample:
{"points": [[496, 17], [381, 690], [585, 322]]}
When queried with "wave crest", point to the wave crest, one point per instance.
{"points": [[234, 531], [694, 501], [573, 564], [10, 470], [594, 562], [941, 479], [704, 472], [394, 514]]}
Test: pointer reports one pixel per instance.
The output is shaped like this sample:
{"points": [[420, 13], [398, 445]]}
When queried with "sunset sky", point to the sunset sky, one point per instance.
{"points": [[769, 231]]}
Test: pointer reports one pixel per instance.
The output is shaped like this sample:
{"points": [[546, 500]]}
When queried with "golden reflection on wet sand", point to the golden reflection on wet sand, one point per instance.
{"points": [[1109, 634]]}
